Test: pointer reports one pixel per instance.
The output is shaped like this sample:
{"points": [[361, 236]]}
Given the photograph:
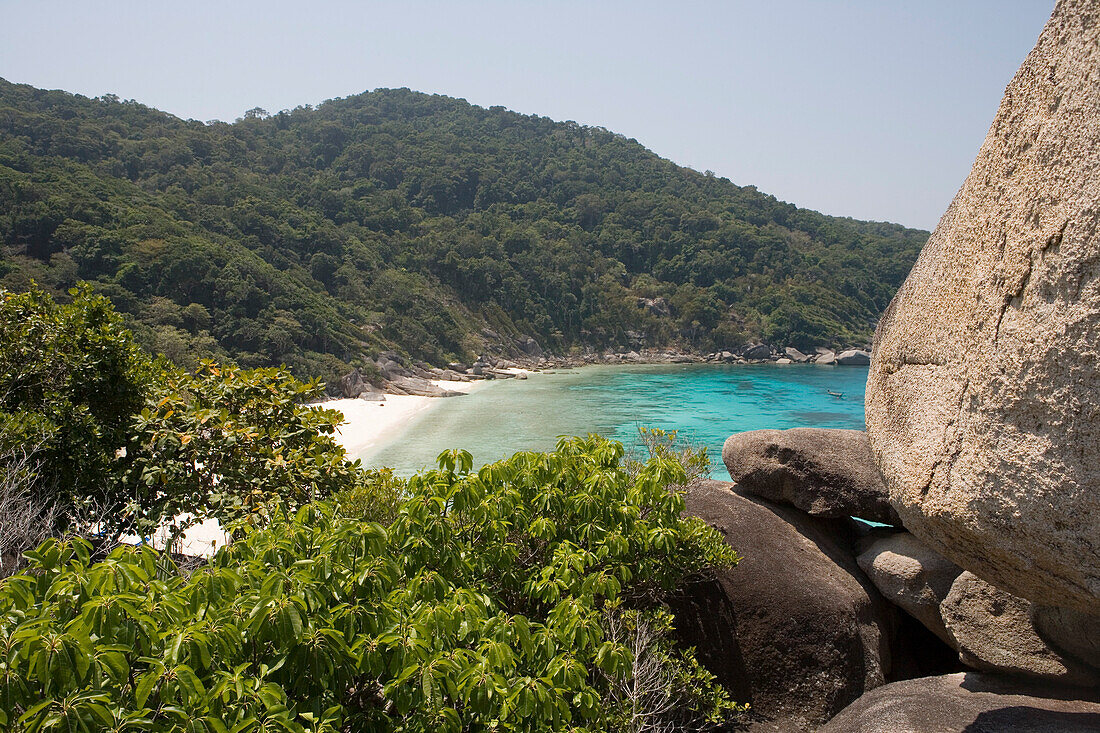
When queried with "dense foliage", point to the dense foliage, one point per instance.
{"points": [[71, 381], [520, 597], [95, 432], [227, 442], [399, 220], [525, 596]]}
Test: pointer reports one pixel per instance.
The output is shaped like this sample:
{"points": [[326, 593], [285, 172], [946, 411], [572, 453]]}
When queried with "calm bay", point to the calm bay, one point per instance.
{"points": [[706, 403]]}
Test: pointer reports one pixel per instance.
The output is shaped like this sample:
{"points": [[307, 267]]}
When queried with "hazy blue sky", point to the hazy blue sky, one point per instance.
{"points": [[872, 109]]}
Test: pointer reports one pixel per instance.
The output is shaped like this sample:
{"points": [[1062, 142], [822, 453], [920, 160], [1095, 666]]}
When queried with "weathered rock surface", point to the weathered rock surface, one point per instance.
{"points": [[827, 358], [421, 387], [853, 357], [982, 399], [990, 629], [826, 473], [795, 355], [1071, 632], [993, 632], [912, 576], [757, 351], [531, 347], [794, 628], [372, 395], [968, 702], [352, 384]]}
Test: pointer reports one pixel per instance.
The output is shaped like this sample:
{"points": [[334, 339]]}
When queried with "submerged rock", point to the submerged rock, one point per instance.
{"points": [[794, 628], [983, 399], [827, 473], [968, 703]]}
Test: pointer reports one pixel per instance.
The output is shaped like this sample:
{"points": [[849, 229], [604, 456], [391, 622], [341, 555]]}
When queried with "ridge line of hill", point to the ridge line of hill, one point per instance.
{"points": [[395, 221]]}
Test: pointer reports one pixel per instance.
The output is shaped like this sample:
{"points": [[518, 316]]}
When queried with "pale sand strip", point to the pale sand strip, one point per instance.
{"points": [[368, 425]]}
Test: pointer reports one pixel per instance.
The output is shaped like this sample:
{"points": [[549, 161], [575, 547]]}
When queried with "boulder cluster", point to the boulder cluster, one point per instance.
{"points": [[941, 572], [391, 373], [757, 353], [838, 616]]}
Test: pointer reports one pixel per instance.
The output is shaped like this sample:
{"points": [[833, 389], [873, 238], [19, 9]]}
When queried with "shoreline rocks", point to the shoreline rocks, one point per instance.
{"points": [[990, 629], [793, 629], [993, 632], [911, 575]]}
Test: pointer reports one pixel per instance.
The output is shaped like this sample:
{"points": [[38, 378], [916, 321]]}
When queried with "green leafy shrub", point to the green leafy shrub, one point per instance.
{"points": [[71, 380], [97, 436], [228, 443], [375, 497], [506, 599]]}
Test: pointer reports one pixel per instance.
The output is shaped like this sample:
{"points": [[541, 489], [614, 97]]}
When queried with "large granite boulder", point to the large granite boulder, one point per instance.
{"points": [[794, 628], [968, 703], [993, 631], [1071, 632], [826, 473], [352, 384], [912, 576], [419, 387], [983, 399], [756, 351], [531, 347], [795, 355]]}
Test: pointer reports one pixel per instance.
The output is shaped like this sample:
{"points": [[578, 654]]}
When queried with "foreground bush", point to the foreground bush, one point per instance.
{"points": [[71, 380], [521, 597], [98, 437]]}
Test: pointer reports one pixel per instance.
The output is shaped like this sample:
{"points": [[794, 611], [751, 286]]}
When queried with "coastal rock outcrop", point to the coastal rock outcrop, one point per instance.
{"points": [[421, 387], [853, 357], [968, 703], [983, 399], [826, 473], [794, 628], [993, 631], [756, 351], [990, 629], [1071, 632], [352, 385], [912, 576], [795, 355]]}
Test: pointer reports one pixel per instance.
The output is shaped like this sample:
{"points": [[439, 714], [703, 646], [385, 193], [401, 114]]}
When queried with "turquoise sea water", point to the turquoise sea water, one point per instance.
{"points": [[705, 402]]}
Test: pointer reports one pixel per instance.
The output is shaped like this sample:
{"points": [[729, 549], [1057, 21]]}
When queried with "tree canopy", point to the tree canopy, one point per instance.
{"points": [[420, 223]]}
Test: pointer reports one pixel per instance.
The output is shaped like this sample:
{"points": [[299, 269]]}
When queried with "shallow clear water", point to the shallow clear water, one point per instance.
{"points": [[705, 402]]}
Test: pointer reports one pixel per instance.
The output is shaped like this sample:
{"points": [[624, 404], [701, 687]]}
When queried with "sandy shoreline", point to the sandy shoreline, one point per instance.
{"points": [[369, 425]]}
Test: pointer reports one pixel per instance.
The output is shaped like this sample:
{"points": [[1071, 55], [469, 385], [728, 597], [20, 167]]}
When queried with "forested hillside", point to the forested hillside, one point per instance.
{"points": [[399, 220]]}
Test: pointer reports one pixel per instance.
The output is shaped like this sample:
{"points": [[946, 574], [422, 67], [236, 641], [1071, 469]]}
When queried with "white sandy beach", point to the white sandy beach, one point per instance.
{"points": [[369, 425]]}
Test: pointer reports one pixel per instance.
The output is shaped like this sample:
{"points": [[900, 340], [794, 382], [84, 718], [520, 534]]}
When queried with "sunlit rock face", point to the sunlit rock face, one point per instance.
{"points": [[983, 399]]}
